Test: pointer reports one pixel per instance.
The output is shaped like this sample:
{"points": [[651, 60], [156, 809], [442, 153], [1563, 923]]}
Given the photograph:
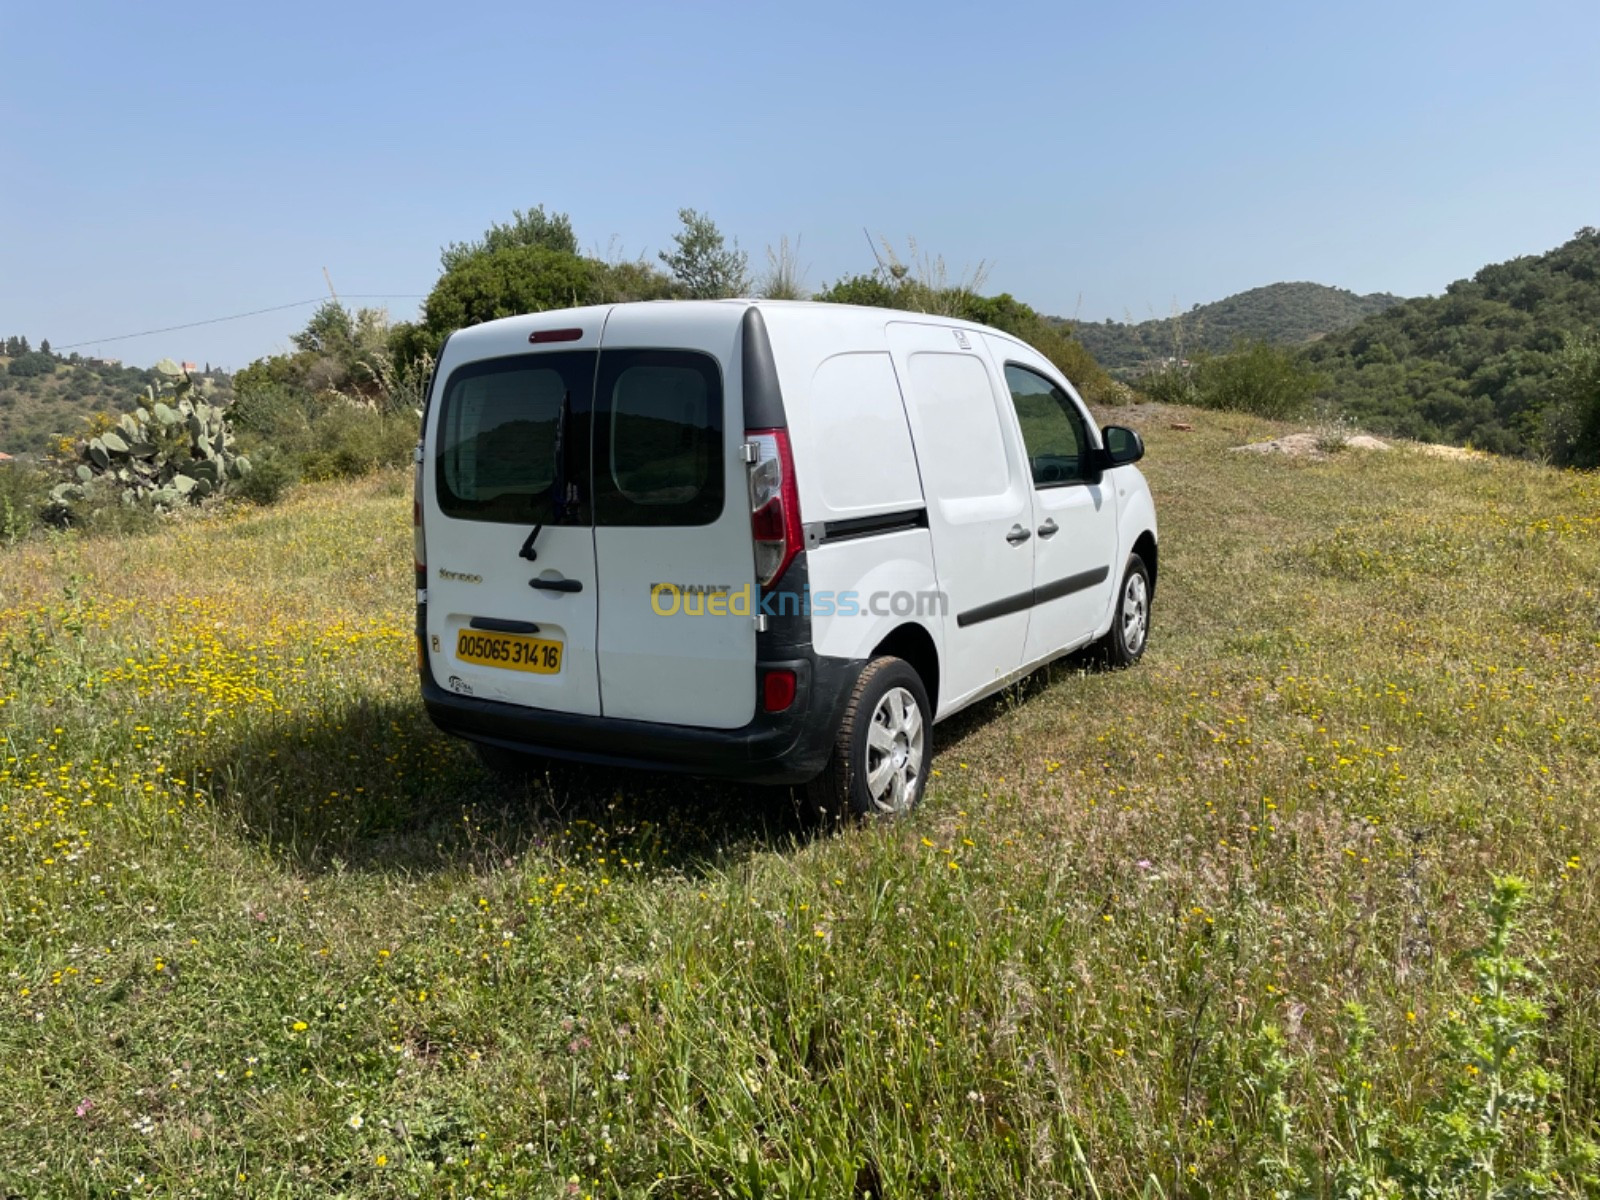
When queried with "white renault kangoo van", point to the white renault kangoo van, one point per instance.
{"points": [[762, 540]]}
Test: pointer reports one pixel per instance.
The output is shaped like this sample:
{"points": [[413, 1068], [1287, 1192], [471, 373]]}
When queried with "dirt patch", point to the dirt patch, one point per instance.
{"points": [[1435, 450], [1315, 447]]}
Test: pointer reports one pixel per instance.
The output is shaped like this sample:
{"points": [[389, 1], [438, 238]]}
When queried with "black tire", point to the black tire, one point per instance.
{"points": [[1125, 644], [844, 789], [513, 766]]}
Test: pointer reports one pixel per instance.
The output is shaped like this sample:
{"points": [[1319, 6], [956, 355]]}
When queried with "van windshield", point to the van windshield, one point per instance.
{"points": [[513, 440]]}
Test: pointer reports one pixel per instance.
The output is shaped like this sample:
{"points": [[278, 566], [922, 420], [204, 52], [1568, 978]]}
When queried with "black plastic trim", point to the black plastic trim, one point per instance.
{"points": [[1035, 596], [1072, 583], [763, 399], [995, 608], [497, 625], [860, 527]]}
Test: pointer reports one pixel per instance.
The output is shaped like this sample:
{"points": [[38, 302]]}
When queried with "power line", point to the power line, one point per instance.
{"points": [[122, 337]]}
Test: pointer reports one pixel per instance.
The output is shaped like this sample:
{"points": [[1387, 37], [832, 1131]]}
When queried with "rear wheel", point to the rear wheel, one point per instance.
{"points": [[1130, 627], [884, 746]]}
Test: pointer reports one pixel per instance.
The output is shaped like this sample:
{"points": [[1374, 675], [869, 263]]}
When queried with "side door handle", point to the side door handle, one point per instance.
{"points": [[1018, 535], [557, 585], [1049, 528]]}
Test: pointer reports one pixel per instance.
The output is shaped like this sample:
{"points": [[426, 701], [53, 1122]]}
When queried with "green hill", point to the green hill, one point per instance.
{"points": [[1281, 313], [43, 394], [1477, 364]]}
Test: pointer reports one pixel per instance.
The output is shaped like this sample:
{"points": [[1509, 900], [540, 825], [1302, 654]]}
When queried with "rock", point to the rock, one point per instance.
{"points": [[1363, 441], [1313, 445]]}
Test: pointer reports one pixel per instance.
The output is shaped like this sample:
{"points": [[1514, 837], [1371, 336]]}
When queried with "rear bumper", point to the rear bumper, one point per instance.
{"points": [[788, 747]]}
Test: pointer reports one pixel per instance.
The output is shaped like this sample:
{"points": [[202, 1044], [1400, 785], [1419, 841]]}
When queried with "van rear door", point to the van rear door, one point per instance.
{"points": [[672, 519], [512, 595]]}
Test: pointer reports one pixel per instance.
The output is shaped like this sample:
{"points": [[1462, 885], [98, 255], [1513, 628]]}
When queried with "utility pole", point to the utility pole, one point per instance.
{"points": [[329, 278]]}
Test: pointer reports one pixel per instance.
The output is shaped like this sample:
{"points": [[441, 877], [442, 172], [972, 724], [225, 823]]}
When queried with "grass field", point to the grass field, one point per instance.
{"points": [[1202, 928]]}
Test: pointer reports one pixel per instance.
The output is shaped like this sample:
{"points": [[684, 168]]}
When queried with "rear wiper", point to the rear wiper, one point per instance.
{"points": [[527, 551]]}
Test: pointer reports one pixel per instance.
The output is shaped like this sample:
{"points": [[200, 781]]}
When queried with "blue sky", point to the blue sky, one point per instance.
{"points": [[164, 162]]}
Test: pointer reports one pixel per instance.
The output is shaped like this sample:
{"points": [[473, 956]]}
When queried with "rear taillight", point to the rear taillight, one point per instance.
{"points": [[777, 690], [774, 504], [419, 546]]}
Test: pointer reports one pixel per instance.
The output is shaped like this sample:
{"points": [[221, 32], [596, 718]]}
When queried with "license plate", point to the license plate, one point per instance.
{"points": [[513, 651]]}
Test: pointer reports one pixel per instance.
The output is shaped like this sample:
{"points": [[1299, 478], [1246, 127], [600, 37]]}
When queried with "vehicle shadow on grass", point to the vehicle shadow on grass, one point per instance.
{"points": [[376, 787], [1090, 660]]}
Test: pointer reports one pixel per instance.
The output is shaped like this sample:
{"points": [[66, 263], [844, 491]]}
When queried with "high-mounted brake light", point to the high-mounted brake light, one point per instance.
{"points": [[774, 504], [554, 335]]}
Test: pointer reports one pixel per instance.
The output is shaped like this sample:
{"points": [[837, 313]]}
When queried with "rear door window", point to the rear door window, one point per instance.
{"points": [[514, 440], [658, 440]]}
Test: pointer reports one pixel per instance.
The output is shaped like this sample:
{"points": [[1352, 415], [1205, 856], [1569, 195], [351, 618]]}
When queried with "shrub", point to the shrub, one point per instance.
{"points": [[784, 278], [32, 364], [505, 283], [535, 227], [1169, 383], [274, 474], [349, 440], [1572, 422], [703, 266], [1255, 378], [23, 493]]}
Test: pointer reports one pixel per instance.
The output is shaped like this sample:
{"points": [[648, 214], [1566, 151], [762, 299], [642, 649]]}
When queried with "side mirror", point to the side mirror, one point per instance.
{"points": [[1123, 445]]}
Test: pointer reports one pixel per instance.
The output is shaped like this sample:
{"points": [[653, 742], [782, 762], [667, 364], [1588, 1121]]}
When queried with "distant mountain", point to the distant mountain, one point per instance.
{"points": [[1476, 365], [43, 394], [1281, 313]]}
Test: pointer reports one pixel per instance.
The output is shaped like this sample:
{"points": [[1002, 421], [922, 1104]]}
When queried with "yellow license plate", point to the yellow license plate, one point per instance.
{"points": [[514, 651]]}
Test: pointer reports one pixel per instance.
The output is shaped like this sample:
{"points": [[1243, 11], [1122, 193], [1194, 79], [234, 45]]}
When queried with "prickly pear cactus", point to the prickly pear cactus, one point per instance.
{"points": [[174, 449]]}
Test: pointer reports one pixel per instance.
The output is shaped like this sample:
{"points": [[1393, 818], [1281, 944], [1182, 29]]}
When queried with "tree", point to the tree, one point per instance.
{"points": [[551, 231], [509, 281], [329, 331], [44, 346], [1572, 422], [703, 265]]}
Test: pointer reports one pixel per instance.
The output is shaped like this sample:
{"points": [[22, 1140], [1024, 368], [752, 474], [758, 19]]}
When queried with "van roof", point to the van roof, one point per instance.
{"points": [[730, 310]]}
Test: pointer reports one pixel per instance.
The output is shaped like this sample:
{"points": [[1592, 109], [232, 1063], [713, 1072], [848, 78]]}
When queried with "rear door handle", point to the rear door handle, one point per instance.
{"points": [[1018, 535], [557, 585], [1048, 529]]}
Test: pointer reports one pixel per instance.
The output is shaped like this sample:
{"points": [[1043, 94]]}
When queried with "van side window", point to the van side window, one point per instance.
{"points": [[512, 440], [1053, 430], [658, 440]]}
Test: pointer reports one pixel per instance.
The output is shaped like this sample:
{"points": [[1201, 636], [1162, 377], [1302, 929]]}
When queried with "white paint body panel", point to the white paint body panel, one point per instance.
{"points": [[680, 670], [977, 491], [869, 466], [874, 567], [497, 583]]}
